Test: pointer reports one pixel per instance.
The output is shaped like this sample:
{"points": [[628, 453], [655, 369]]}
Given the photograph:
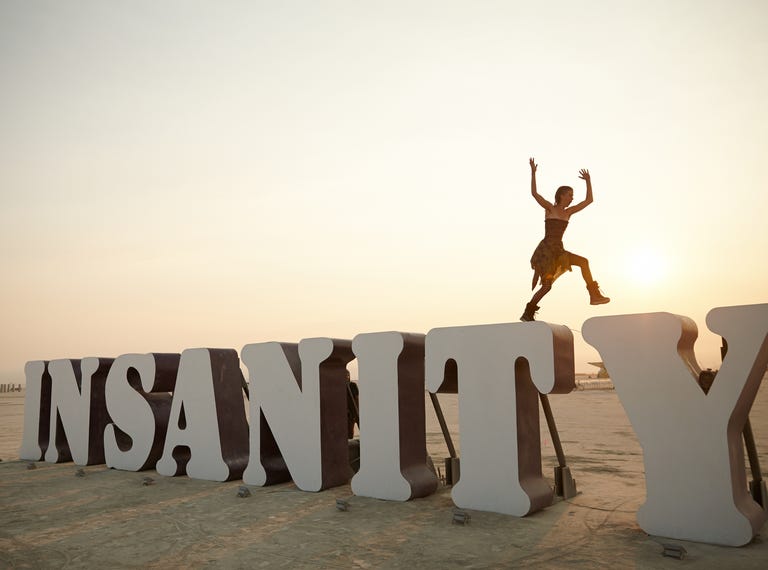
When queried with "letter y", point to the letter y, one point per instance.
{"points": [[694, 458]]}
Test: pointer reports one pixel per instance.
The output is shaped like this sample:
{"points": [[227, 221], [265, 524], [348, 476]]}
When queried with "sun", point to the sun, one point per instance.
{"points": [[646, 266]]}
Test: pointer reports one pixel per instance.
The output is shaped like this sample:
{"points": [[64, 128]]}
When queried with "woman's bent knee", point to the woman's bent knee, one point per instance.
{"points": [[579, 261]]}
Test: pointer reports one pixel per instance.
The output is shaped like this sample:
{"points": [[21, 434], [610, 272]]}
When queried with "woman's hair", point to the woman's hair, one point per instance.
{"points": [[560, 191]]}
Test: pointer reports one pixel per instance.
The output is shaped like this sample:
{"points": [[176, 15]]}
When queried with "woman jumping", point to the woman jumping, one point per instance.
{"points": [[550, 259]]}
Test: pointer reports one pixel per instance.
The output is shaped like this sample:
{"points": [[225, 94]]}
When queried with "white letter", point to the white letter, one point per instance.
{"points": [[135, 440], [500, 367], [393, 447], [207, 433], [298, 410], [78, 410], [37, 411], [694, 458]]}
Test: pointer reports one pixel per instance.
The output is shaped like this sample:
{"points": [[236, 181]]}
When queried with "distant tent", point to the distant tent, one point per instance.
{"points": [[602, 373]]}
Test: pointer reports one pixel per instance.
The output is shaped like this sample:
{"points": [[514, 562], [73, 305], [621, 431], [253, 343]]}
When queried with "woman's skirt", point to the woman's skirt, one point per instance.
{"points": [[549, 261]]}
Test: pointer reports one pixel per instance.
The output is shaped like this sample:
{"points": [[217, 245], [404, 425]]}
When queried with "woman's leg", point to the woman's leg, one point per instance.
{"points": [[595, 296], [546, 287], [583, 264], [532, 307]]}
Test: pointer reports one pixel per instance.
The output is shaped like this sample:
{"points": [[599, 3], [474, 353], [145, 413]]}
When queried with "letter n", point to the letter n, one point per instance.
{"points": [[298, 410], [78, 410]]}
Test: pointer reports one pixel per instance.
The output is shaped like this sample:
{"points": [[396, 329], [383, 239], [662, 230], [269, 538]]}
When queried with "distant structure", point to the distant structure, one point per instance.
{"points": [[602, 373]]}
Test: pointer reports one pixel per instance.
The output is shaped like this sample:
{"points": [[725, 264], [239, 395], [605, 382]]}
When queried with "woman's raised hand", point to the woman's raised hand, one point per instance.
{"points": [[533, 165], [584, 174]]}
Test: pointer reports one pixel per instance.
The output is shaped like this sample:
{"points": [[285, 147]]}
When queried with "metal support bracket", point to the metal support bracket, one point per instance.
{"points": [[565, 485]]}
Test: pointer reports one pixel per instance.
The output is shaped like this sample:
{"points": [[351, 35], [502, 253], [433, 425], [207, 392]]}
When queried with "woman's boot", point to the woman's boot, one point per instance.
{"points": [[595, 296], [530, 311]]}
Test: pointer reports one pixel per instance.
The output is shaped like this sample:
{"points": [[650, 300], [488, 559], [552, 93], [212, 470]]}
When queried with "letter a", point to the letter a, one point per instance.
{"points": [[207, 435], [694, 458]]}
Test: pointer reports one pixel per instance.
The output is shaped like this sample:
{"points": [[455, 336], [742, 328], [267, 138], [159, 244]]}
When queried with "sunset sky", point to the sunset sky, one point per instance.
{"points": [[180, 174]]}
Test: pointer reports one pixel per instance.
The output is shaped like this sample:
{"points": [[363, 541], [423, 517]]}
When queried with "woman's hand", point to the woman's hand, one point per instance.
{"points": [[542, 202], [584, 175]]}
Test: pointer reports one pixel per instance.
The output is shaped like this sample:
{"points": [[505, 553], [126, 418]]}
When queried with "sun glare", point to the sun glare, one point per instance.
{"points": [[646, 266]]}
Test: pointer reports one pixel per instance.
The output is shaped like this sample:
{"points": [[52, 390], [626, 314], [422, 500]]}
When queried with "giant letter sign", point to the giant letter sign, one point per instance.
{"points": [[500, 367], [691, 437], [298, 410], [393, 447], [694, 458]]}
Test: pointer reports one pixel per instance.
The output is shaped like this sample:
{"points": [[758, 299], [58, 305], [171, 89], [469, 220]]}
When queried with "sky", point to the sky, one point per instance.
{"points": [[184, 174]]}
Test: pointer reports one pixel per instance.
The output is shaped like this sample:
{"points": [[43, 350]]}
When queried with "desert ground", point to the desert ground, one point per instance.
{"points": [[53, 517]]}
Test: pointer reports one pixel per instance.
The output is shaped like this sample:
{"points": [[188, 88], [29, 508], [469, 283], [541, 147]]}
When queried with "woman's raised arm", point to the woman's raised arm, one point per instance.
{"points": [[584, 175], [542, 202]]}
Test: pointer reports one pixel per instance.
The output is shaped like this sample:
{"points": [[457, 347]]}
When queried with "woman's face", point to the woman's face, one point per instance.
{"points": [[566, 198]]}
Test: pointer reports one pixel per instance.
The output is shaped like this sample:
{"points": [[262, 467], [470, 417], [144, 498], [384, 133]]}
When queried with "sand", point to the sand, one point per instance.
{"points": [[52, 518]]}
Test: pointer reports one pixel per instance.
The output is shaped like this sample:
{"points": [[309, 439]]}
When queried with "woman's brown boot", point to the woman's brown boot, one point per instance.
{"points": [[595, 296], [530, 311]]}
